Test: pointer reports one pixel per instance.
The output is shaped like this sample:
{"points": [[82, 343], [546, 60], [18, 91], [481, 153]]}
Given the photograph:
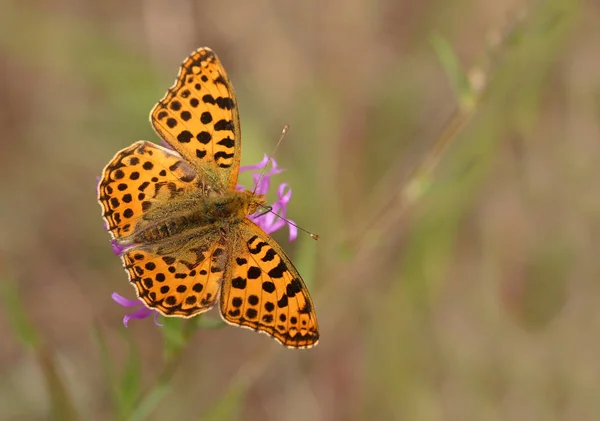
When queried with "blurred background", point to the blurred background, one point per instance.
{"points": [[444, 151]]}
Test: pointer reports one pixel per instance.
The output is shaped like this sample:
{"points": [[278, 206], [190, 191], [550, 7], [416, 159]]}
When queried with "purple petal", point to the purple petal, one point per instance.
{"points": [[274, 226], [293, 230], [262, 184], [156, 319], [284, 197], [140, 313], [125, 302], [258, 166], [275, 168], [263, 181], [116, 248], [269, 222]]}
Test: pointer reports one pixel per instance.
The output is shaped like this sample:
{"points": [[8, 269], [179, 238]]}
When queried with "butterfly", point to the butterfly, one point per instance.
{"points": [[183, 228]]}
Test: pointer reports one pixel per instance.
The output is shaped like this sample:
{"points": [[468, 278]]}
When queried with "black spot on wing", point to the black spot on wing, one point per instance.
{"points": [[220, 80], [227, 142], [238, 283], [224, 125], [278, 271], [251, 313], [269, 255], [206, 117], [268, 286], [254, 272], [283, 302], [185, 136], [204, 137], [225, 103], [257, 249], [223, 155], [293, 288], [306, 309]]}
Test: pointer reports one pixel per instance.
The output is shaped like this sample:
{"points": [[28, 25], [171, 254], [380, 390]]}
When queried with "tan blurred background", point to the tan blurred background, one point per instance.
{"points": [[480, 302]]}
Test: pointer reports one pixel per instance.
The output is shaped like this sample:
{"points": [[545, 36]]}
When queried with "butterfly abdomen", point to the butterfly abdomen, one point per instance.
{"points": [[174, 226], [156, 233]]}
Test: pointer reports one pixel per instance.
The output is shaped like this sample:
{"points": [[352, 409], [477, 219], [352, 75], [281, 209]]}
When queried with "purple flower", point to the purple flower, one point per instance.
{"points": [[116, 248], [141, 313], [266, 220]]}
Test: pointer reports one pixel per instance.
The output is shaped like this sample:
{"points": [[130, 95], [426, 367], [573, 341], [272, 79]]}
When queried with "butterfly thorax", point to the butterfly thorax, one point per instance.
{"points": [[187, 216], [232, 206]]}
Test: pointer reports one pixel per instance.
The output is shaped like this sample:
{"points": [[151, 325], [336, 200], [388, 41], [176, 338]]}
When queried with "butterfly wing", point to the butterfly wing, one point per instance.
{"points": [[135, 179], [181, 285], [263, 291], [199, 118]]}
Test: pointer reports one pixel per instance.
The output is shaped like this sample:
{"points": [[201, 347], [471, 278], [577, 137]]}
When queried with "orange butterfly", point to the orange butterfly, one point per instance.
{"points": [[183, 227]]}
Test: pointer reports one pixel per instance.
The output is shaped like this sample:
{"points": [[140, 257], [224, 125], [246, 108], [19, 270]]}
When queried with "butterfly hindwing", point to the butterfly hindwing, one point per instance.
{"points": [[199, 118], [263, 291], [181, 285]]}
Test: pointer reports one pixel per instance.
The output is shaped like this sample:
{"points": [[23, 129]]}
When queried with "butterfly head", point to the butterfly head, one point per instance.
{"points": [[251, 201]]}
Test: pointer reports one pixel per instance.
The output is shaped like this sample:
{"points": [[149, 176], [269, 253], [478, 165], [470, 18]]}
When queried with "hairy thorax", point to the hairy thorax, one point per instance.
{"points": [[191, 215]]}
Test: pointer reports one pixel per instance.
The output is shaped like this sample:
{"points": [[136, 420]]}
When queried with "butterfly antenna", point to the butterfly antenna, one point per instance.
{"points": [[268, 209], [262, 174]]}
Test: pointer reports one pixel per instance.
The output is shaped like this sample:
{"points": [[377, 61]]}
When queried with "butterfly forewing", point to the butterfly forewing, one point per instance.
{"points": [[198, 117]]}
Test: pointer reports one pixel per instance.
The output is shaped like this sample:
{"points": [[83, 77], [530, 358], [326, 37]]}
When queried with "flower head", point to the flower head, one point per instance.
{"points": [[266, 220]]}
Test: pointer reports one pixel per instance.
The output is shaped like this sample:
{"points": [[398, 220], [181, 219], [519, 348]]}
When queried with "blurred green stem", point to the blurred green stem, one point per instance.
{"points": [[62, 404], [62, 407], [149, 400]]}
